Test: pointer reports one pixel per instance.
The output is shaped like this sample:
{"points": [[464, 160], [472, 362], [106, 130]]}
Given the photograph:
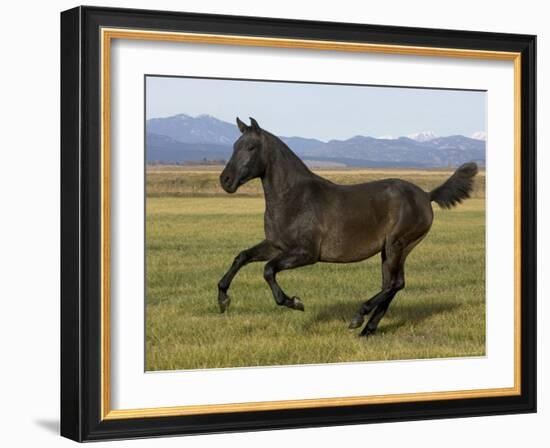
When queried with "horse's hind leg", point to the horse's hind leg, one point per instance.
{"points": [[260, 252], [381, 309], [393, 280], [286, 260]]}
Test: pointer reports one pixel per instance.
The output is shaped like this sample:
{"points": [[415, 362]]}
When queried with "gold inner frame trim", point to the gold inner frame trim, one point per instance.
{"points": [[107, 35]]}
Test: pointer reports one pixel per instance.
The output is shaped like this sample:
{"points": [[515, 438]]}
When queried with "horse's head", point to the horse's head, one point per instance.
{"points": [[247, 161]]}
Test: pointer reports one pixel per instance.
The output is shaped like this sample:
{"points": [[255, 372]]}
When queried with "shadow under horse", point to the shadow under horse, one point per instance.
{"points": [[309, 219]]}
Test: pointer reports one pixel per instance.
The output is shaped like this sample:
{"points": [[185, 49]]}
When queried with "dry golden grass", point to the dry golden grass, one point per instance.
{"points": [[203, 180]]}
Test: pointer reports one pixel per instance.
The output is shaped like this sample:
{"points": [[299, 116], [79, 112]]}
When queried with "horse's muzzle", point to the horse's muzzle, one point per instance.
{"points": [[228, 183]]}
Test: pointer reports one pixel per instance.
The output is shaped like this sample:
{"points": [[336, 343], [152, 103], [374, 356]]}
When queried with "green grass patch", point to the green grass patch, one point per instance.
{"points": [[191, 241]]}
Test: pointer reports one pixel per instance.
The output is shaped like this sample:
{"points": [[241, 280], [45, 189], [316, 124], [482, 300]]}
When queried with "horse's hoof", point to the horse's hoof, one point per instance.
{"points": [[224, 305], [224, 300], [297, 304], [367, 332], [356, 322]]}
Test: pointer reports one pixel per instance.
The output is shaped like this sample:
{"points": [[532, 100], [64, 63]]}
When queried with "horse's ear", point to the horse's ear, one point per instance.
{"points": [[254, 125], [242, 127]]}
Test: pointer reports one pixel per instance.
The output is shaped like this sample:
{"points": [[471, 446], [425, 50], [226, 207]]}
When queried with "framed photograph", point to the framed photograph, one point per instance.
{"points": [[273, 223]]}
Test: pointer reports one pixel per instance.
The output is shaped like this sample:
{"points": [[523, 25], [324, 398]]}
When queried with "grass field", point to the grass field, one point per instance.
{"points": [[194, 231]]}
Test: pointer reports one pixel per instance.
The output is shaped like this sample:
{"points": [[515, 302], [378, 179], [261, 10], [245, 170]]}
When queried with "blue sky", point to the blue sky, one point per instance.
{"points": [[320, 110]]}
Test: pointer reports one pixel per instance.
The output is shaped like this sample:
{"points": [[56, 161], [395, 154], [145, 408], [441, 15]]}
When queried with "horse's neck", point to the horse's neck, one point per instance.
{"points": [[284, 172]]}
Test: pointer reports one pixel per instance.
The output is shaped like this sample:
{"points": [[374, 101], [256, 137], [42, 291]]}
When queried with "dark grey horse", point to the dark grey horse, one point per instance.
{"points": [[310, 219]]}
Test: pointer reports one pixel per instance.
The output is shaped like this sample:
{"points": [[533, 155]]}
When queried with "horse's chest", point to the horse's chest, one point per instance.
{"points": [[273, 225], [282, 225]]}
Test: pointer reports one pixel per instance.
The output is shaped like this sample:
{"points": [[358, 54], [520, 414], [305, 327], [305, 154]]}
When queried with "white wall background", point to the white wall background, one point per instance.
{"points": [[29, 224]]}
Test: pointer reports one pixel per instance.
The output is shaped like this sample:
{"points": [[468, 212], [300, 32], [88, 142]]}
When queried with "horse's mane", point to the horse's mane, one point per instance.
{"points": [[286, 157]]}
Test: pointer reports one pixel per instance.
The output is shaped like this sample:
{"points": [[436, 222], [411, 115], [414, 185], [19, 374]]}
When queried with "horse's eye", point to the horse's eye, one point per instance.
{"points": [[251, 148]]}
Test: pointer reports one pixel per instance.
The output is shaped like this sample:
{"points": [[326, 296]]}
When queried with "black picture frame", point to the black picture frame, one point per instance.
{"points": [[81, 224]]}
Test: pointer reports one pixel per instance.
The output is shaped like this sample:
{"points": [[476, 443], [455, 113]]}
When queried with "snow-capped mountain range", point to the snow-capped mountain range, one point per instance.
{"points": [[181, 138], [424, 136], [480, 135], [200, 129]]}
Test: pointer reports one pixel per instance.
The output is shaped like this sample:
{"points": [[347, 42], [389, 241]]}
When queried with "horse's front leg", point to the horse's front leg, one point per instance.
{"points": [[287, 260], [260, 252]]}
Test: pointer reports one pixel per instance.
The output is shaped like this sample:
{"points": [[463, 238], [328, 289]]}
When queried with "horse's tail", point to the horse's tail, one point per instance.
{"points": [[456, 188]]}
